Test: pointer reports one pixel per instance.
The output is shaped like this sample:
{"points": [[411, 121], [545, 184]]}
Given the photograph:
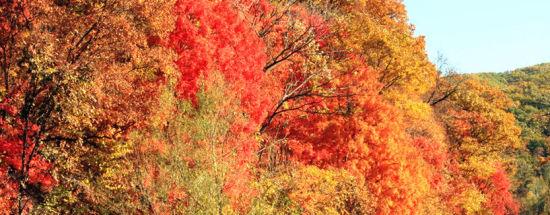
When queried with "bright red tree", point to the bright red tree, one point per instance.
{"points": [[215, 36], [497, 189], [26, 174]]}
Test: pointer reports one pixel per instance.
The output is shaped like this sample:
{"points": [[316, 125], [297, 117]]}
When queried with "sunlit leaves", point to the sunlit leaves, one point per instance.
{"points": [[310, 190], [258, 107], [482, 137]]}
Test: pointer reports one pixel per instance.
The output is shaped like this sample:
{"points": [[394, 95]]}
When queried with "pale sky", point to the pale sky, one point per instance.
{"points": [[484, 35]]}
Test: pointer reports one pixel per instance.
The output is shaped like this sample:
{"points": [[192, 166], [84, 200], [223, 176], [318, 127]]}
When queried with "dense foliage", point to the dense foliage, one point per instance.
{"points": [[256, 107], [530, 89]]}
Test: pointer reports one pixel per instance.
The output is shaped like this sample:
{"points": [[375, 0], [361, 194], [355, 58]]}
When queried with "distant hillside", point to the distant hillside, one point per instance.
{"points": [[530, 88]]}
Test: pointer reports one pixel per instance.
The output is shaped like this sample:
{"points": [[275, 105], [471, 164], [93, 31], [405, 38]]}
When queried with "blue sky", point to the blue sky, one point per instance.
{"points": [[484, 35]]}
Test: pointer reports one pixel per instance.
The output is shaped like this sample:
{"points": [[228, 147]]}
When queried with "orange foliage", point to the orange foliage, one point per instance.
{"points": [[321, 97], [369, 141]]}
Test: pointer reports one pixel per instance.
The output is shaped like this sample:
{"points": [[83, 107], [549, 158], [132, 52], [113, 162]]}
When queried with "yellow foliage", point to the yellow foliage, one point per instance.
{"points": [[472, 201], [310, 190]]}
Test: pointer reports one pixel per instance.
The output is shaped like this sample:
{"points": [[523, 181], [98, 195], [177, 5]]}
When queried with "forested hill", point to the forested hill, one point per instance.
{"points": [[529, 88]]}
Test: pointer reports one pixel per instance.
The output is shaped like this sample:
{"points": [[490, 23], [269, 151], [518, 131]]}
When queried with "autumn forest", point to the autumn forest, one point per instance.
{"points": [[257, 107]]}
